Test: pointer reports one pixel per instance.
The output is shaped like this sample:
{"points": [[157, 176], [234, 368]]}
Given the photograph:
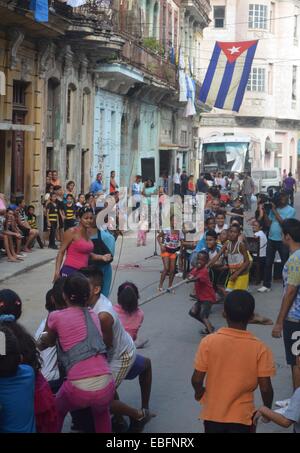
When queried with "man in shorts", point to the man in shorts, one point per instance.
{"points": [[288, 320]]}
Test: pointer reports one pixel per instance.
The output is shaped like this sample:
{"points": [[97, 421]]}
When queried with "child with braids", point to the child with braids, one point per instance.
{"points": [[82, 353]]}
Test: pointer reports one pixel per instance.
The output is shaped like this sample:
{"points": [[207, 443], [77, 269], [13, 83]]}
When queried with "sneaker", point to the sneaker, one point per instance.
{"points": [[264, 289], [283, 403], [179, 274]]}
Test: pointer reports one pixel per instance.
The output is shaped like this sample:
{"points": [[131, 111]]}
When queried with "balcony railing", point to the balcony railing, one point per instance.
{"points": [[154, 65], [95, 11], [202, 8]]}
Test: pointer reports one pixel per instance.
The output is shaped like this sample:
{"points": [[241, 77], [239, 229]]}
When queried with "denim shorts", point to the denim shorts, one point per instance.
{"points": [[137, 368]]}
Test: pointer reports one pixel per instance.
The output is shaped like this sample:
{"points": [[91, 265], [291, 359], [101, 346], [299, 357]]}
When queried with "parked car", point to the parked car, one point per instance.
{"points": [[266, 180]]}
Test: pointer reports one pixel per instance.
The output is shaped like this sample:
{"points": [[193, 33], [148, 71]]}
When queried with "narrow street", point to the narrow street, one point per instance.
{"points": [[173, 335]]}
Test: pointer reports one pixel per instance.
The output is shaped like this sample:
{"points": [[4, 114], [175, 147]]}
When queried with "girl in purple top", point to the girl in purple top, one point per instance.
{"points": [[82, 353], [76, 245]]}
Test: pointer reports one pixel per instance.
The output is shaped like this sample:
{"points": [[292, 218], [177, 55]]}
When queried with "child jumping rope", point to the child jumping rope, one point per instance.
{"points": [[170, 242]]}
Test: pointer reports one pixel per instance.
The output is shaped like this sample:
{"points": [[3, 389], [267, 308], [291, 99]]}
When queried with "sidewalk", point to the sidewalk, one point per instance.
{"points": [[35, 259]]}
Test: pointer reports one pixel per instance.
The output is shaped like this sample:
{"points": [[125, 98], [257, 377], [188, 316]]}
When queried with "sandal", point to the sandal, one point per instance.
{"points": [[262, 321]]}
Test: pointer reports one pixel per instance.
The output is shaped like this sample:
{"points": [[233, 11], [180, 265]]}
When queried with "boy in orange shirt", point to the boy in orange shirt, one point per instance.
{"points": [[239, 361]]}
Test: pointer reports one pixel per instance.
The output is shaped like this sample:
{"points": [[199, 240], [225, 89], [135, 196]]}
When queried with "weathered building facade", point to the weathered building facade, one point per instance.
{"points": [[95, 89], [46, 114], [140, 125]]}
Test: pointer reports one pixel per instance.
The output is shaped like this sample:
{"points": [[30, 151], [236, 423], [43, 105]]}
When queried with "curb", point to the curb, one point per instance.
{"points": [[27, 269]]}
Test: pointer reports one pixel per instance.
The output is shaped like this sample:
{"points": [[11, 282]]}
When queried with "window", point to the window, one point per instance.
{"points": [[219, 16], [258, 16], [183, 138], [19, 92], [294, 84], [256, 80]]}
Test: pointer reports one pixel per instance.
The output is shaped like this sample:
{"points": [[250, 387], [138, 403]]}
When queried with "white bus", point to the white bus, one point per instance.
{"points": [[229, 154]]}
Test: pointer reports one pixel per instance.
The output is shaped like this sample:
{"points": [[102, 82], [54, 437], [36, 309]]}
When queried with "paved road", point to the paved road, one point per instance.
{"points": [[174, 337]]}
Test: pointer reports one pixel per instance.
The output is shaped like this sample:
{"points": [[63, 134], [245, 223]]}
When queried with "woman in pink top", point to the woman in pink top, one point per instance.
{"points": [[76, 245], [82, 353], [131, 316]]}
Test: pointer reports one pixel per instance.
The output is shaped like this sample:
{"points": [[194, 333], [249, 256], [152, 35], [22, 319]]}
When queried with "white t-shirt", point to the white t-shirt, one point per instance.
{"points": [[292, 412], [176, 178], [122, 341], [49, 369], [218, 230], [221, 182], [263, 243]]}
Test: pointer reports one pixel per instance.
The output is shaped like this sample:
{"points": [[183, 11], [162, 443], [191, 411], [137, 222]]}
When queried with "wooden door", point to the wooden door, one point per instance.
{"points": [[18, 150]]}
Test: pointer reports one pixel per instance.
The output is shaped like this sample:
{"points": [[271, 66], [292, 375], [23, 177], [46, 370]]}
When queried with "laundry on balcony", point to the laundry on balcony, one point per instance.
{"points": [[40, 9], [76, 3]]}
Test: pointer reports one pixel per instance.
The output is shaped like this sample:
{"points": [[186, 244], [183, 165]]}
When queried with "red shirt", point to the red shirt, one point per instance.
{"points": [[203, 285]]}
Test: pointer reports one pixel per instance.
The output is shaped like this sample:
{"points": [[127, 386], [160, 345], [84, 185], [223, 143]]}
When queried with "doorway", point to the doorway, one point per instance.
{"points": [[148, 168], [166, 162]]}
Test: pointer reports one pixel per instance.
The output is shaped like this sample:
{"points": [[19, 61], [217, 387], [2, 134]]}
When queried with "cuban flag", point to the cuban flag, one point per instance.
{"points": [[227, 75]]}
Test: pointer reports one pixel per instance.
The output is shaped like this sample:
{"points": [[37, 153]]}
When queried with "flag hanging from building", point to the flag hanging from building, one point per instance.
{"points": [[227, 75]]}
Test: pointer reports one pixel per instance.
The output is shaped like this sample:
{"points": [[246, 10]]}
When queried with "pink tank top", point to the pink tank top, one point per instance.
{"points": [[78, 253]]}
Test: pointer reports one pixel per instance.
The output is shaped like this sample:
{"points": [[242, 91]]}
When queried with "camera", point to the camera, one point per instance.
{"points": [[268, 199]]}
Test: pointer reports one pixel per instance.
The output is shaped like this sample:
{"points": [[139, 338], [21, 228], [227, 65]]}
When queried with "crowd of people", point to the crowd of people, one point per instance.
{"points": [[86, 346]]}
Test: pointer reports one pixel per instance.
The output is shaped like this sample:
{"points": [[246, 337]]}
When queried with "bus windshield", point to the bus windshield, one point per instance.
{"points": [[226, 157]]}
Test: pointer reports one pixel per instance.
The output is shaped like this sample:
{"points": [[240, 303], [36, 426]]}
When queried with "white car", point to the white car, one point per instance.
{"points": [[266, 180]]}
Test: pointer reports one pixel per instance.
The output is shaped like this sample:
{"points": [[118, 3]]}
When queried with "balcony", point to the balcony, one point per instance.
{"points": [[200, 9], [150, 63], [93, 12]]}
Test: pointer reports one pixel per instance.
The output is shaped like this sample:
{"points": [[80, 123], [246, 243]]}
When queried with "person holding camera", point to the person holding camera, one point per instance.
{"points": [[279, 212]]}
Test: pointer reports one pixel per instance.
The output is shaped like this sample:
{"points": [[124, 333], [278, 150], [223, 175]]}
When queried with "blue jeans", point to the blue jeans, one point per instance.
{"points": [[272, 248]]}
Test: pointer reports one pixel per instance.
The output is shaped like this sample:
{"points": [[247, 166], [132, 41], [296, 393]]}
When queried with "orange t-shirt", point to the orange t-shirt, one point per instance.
{"points": [[233, 361], [56, 182]]}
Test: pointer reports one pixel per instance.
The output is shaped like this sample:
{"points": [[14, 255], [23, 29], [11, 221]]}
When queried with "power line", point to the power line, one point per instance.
{"points": [[141, 23]]}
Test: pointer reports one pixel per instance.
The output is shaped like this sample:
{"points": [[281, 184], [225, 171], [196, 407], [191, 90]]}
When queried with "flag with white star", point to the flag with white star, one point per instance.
{"points": [[227, 75]]}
